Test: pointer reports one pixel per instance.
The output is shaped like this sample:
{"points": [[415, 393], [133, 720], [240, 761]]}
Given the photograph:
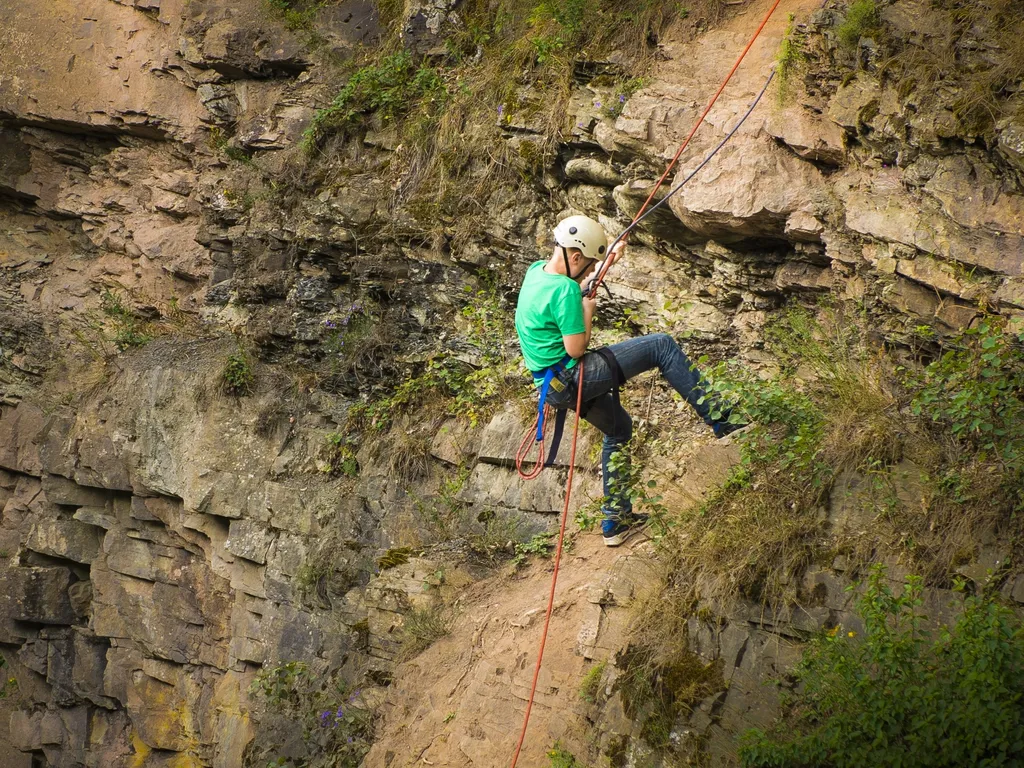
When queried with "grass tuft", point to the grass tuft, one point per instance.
{"points": [[861, 20], [421, 627]]}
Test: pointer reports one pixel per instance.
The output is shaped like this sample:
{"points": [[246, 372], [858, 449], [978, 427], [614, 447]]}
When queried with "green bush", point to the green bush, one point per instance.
{"points": [[337, 730], [238, 377], [562, 758], [449, 385], [128, 328], [297, 15], [898, 696], [391, 87], [828, 410], [791, 56], [977, 389], [590, 686], [860, 21], [540, 544], [422, 626], [339, 455]]}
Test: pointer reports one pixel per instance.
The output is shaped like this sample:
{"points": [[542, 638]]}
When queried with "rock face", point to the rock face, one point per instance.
{"points": [[161, 541]]}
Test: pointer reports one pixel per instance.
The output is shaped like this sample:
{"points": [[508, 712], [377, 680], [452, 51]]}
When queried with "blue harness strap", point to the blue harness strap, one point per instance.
{"points": [[556, 438]]}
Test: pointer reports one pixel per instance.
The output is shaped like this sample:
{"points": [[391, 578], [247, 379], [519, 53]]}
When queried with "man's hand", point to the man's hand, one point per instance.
{"points": [[576, 344], [589, 308], [588, 289], [617, 251]]}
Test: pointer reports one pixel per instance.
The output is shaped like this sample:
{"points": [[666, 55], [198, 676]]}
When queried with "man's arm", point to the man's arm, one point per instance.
{"points": [[576, 344]]}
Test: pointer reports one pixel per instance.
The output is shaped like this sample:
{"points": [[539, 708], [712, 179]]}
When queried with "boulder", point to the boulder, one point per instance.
{"points": [[751, 190], [36, 594], [145, 560], [661, 223], [590, 170], [20, 430], [61, 490], [811, 136], [68, 539], [250, 540]]}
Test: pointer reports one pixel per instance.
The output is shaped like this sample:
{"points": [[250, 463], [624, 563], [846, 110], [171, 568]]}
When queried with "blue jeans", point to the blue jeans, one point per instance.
{"points": [[635, 356]]}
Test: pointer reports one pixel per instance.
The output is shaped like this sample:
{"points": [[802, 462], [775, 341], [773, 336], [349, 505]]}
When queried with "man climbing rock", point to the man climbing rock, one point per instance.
{"points": [[554, 321]]}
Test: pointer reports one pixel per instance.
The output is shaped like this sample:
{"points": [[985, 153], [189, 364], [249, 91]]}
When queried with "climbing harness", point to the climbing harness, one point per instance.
{"points": [[551, 381], [542, 408]]}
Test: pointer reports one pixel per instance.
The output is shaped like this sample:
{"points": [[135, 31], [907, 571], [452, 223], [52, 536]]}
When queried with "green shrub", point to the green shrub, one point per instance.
{"points": [[238, 377], [976, 388], [10, 685], [831, 408], [129, 329], [562, 758], [898, 696], [662, 680], [540, 544], [339, 455], [861, 20], [628, 468], [421, 627], [391, 87], [297, 15], [449, 385], [791, 56], [590, 686]]}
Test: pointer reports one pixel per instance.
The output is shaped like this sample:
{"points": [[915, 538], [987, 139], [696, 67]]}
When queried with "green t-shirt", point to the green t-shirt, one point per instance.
{"points": [[550, 307]]}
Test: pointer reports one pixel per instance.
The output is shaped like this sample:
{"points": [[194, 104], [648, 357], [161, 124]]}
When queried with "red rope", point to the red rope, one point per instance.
{"points": [[579, 397], [523, 454], [558, 559]]}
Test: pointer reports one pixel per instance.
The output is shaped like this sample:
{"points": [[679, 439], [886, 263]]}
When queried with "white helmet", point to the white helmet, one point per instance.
{"points": [[584, 233]]}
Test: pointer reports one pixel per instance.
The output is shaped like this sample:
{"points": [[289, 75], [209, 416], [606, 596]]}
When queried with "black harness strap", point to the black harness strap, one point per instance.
{"points": [[618, 379], [556, 436]]}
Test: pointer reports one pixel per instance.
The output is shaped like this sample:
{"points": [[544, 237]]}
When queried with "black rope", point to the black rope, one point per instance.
{"points": [[694, 172]]}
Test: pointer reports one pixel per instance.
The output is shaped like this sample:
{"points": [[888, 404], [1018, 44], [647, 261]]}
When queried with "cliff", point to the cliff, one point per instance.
{"points": [[258, 400]]}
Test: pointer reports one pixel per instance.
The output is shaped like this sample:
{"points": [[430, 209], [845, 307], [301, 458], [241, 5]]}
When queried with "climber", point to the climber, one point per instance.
{"points": [[553, 321]]}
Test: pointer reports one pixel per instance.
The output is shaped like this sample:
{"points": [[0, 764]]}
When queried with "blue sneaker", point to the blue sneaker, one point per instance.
{"points": [[616, 531], [724, 428], [726, 434]]}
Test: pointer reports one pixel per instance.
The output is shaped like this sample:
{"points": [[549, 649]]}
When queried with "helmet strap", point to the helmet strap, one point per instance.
{"points": [[568, 271]]}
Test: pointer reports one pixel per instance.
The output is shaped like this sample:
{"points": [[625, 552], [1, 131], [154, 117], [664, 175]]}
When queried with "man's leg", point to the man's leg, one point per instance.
{"points": [[604, 412], [611, 418], [659, 350]]}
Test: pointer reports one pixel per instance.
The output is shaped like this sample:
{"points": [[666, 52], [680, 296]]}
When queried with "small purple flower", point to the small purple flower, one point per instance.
{"points": [[622, 98], [597, 104], [501, 110], [349, 739]]}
